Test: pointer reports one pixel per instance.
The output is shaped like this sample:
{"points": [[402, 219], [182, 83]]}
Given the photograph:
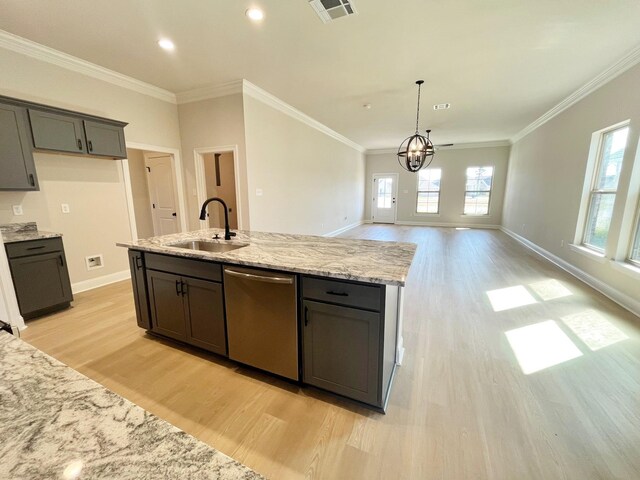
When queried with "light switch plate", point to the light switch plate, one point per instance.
{"points": [[17, 210], [258, 192], [65, 208]]}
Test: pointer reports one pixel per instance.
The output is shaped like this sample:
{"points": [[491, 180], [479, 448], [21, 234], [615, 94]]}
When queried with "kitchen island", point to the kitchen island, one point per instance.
{"points": [[323, 311]]}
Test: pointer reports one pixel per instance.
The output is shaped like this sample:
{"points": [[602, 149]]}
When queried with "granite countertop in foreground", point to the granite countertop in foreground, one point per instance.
{"points": [[57, 423], [24, 232], [368, 261]]}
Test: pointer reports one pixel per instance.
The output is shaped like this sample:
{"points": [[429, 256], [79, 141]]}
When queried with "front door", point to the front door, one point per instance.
{"points": [[163, 195], [385, 188]]}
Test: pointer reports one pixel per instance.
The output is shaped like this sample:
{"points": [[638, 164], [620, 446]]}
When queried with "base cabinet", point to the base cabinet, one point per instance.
{"points": [[139, 282]]}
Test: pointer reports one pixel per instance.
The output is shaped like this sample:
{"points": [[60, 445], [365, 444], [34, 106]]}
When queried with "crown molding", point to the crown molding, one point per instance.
{"points": [[618, 68], [213, 91], [17, 44], [265, 97], [456, 146]]}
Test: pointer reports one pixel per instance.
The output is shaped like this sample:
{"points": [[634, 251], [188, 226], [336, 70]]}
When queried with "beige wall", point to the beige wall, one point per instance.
{"points": [[98, 217], [215, 122], [310, 182], [547, 171], [453, 163], [94, 188], [140, 193]]}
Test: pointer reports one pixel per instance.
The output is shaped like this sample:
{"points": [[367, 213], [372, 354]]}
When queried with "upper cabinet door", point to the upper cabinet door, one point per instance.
{"points": [[17, 170], [105, 139], [54, 131]]}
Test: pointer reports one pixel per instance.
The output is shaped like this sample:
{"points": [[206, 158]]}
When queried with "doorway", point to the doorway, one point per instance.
{"points": [[217, 176], [385, 190]]}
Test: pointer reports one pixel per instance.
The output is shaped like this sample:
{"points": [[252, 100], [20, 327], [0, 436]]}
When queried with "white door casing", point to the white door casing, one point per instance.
{"points": [[385, 190], [162, 190]]}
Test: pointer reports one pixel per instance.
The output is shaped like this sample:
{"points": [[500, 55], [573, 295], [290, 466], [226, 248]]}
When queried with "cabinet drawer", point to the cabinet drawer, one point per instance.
{"points": [[343, 293], [33, 247], [184, 266]]}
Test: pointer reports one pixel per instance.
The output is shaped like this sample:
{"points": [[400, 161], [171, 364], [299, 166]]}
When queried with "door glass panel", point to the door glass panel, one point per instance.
{"points": [[385, 192]]}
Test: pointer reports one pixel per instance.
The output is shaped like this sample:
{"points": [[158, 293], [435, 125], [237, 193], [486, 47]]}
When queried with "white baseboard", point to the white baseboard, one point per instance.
{"points": [[451, 225], [343, 229], [617, 296], [100, 281]]}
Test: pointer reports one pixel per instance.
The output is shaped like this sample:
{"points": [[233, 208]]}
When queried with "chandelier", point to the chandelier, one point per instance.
{"points": [[415, 150]]}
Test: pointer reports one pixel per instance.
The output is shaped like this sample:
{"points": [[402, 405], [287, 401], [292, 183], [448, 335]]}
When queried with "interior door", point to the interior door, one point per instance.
{"points": [[385, 190], [162, 190]]}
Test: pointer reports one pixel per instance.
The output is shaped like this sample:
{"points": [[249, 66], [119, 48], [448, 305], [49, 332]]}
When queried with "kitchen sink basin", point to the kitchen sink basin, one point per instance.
{"points": [[206, 246]]}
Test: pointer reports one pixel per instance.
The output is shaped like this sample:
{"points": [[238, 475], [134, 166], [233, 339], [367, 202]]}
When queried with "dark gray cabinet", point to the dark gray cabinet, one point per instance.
{"points": [[56, 131], [186, 308], [17, 168], [104, 139], [341, 350], [139, 282], [40, 276]]}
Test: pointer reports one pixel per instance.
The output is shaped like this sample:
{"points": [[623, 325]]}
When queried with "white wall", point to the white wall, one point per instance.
{"points": [[214, 122], [547, 170], [453, 163], [311, 183]]}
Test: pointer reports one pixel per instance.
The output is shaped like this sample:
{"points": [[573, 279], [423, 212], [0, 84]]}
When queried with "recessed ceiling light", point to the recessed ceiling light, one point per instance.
{"points": [[255, 14], [166, 44]]}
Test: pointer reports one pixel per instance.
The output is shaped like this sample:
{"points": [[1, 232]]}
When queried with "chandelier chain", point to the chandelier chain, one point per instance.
{"points": [[418, 109]]}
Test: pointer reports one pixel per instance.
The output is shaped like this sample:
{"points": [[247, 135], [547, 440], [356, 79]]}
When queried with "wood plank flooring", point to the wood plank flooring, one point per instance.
{"points": [[461, 406]]}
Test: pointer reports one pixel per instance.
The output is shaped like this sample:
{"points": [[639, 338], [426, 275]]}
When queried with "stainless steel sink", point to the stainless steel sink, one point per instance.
{"points": [[208, 246]]}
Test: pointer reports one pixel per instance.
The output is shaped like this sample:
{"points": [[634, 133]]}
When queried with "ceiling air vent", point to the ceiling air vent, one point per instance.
{"points": [[329, 10]]}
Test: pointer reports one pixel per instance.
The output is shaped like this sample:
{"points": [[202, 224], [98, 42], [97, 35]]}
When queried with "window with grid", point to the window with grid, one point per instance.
{"points": [[604, 188], [429, 190], [478, 190]]}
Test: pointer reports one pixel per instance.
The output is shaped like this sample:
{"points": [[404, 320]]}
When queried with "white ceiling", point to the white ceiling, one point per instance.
{"points": [[500, 63]]}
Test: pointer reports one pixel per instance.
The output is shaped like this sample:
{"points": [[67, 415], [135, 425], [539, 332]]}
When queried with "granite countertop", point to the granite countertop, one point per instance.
{"points": [[368, 261], [57, 423], [24, 232]]}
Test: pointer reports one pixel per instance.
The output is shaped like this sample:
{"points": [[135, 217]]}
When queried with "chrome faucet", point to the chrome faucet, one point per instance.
{"points": [[203, 216]]}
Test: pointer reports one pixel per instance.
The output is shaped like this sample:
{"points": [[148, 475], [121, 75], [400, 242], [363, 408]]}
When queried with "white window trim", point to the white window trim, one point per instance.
{"points": [[493, 176], [416, 213], [626, 268], [595, 147], [588, 252]]}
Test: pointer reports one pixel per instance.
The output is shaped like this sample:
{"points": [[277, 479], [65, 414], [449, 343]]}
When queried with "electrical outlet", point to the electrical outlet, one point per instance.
{"points": [[65, 208], [94, 261], [258, 192], [17, 210]]}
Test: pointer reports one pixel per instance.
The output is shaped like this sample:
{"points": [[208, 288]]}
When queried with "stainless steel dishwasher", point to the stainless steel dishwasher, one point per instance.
{"points": [[262, 326]]}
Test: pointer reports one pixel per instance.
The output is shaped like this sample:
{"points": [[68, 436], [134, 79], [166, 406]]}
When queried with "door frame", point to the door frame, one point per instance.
{"points": [[176, 163], [373, 192], [201, 185]]}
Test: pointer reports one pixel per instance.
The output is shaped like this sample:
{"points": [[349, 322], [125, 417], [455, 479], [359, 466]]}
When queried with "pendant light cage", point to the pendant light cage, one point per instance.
{"points": [[416, 151]]}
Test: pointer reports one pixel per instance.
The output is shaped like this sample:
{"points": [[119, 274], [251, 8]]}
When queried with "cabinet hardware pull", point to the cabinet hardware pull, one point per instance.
{"points": [[61, 261], [138, 263], [260, 278], [36, 248], [338, 294], [183, 288], [306, 316], [79, 144], [90, 144], [178, 287], [32, 180]]}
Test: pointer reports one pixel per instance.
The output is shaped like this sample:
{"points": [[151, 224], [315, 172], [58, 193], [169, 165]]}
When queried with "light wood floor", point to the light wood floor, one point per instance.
{"points": [[461, 406]]}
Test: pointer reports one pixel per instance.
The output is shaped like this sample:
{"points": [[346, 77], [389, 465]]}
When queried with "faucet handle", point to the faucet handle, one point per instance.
{"points": [[232, 234], [216, 236]]}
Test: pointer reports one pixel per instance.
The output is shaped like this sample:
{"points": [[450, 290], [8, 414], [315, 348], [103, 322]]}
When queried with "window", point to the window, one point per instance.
{"points": [[604, 187], [429, 190], [634, 256], [478, 190]]}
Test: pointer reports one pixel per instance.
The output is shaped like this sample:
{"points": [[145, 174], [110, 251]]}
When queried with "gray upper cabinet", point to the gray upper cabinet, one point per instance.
{"points": [[17, 169], [57, 132], [104, 139]]}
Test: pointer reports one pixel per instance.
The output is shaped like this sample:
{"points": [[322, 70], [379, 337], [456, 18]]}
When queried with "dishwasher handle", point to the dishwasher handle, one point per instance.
{"points": [[260, 278]]}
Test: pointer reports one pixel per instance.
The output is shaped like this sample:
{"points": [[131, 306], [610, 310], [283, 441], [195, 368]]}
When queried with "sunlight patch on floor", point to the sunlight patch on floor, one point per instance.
{"points": [[593, 329], [541, 345], [511, 297], [550, 289]]}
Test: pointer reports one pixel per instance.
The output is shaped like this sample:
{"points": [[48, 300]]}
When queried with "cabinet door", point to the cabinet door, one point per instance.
{"points": [[54, 131], [41, 282], [17, 169], [341, 350], [205, 314], [140, 299], [165, 302], [105, 139]]}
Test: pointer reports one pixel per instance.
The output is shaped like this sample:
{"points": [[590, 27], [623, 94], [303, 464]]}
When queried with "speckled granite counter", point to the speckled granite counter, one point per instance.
{"points": [[360, 260], [56, 423], [23, 232]]}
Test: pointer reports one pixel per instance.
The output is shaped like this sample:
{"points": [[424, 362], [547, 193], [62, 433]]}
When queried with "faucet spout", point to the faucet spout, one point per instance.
{"points": [[203, 215]]}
